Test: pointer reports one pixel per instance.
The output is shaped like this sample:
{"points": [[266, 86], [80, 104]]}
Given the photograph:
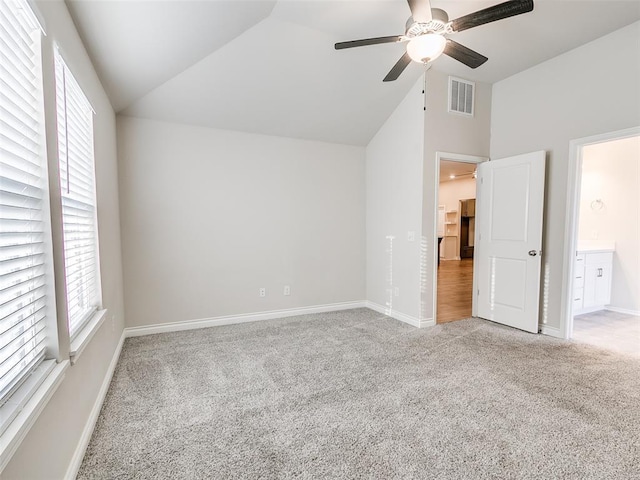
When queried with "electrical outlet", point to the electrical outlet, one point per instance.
{"points": [[287, 290], [396, 292], [411, 236], [262, 292], [594, 234]]}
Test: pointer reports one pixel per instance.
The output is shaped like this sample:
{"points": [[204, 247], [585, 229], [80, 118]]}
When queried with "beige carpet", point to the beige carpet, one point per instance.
{"points": [[358, 395]]}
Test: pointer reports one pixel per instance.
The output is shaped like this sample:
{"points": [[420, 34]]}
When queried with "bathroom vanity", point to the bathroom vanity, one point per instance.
{"points": [[592, 278]]}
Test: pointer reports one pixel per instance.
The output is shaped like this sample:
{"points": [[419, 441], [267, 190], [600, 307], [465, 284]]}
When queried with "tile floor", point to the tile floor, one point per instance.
{"points": [[608, 330]]}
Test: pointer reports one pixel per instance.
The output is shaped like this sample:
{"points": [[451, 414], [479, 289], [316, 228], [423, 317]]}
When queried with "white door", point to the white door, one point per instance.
{"points": [[509, 242]]}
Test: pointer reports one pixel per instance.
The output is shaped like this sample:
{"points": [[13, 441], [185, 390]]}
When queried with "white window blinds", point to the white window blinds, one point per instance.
{"points": [[77, 186], [23, 250]]}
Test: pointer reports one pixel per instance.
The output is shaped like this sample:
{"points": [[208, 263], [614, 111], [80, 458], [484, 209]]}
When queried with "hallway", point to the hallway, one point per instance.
{"points": [[455, 285]]}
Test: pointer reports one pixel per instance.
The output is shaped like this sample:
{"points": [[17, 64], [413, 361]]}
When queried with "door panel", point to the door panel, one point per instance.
{"points": [[509, 203], [509, 223], [590, 284], [507, 274]]}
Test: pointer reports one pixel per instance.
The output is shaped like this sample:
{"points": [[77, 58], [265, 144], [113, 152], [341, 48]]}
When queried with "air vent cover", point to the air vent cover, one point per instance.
{"points": [[461, 94]]}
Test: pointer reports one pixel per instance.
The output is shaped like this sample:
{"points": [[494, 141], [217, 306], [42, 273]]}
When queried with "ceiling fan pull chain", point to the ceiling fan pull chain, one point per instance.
{"points": [[424, 90]]}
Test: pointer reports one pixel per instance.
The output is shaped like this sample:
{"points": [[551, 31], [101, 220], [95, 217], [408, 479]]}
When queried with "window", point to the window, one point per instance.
{"points": [[77, 188], [25, 249]]}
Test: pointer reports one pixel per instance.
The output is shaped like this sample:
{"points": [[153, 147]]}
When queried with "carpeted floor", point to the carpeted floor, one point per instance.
{"points": [[358, 395]]}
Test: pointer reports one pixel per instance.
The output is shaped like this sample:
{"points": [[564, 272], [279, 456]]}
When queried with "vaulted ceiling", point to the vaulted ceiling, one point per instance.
{"points": [[270, 67]]}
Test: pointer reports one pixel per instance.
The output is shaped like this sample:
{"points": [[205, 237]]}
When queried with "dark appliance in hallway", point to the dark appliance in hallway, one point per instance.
{"points": [[467, 227]]}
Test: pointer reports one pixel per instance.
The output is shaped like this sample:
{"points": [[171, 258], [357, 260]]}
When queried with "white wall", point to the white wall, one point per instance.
{"points": [[450, 193], [611, 173], [451, 133], [47, 450], [584, 92], [210, 216], [394, 193]]}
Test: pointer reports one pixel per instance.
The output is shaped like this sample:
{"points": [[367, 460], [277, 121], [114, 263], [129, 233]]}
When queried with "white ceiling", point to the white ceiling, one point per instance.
{"points": [[138, 45], [270, 67], [458, 169]]}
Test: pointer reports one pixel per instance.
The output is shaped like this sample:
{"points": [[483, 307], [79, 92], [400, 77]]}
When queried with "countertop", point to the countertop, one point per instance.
{"points": [[596, 247]]}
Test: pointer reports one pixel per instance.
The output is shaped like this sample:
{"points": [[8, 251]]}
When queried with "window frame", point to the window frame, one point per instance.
{"points": [[36, 33], [91, 320], [26, 400]]}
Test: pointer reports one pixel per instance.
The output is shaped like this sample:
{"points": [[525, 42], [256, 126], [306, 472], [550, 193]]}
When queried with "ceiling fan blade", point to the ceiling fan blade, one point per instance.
{"points": [[420, 10], [492, 14], [464, 54], [398, 68], [369, 41]]}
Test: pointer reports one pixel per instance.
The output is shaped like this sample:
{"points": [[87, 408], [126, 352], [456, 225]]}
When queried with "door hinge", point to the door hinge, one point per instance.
{"points": [[478, 292]]}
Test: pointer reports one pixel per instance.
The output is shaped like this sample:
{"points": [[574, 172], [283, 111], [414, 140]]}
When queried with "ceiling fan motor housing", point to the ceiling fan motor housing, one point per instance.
{"points": [[438, 24]]}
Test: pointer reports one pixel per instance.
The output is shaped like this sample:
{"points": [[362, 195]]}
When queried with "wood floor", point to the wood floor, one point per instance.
{"points": [[455, 285]]}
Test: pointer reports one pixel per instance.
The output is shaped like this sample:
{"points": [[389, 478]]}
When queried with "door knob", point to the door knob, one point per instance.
{"points": [[533, 253]]}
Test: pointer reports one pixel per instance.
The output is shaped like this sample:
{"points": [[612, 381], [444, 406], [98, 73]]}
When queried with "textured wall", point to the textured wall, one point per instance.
{"points": [[394, 193], [211, 216]]}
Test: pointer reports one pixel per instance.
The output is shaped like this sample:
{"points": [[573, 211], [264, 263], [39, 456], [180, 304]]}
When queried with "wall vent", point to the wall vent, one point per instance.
{"points": [[461, 93]]}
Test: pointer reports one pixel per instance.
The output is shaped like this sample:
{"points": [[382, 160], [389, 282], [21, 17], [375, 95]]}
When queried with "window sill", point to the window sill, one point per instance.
{"points": [[22, 409], [85, 335]]}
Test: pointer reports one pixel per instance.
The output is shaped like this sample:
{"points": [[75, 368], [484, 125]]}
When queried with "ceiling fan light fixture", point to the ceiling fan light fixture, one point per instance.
{"points": [[426, 48]]}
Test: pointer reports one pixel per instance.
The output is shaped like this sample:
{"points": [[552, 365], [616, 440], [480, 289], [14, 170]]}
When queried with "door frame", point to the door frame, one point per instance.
{"points": [[574, 184], [452, 157]]}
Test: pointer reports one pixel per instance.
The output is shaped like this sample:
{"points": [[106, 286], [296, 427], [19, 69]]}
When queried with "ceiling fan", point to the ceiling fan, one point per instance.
{"points": [[426, 32]]}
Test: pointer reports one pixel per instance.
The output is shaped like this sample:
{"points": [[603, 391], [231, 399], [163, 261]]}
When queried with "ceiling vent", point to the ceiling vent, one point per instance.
{"points": [[461, 94]]}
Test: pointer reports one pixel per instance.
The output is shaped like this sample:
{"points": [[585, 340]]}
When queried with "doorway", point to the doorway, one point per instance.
{"points": [[456, 202], [603, 307]]}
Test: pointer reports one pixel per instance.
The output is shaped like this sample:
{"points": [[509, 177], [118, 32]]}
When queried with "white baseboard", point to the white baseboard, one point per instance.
{"points": [[416, 322], [623, 310], [599, 308], [582, 311], [234, 319], [78, 455], [427, 322], [551, 331]]}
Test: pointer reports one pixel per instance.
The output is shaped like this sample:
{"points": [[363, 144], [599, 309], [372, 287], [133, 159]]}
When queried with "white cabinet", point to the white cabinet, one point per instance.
{"points": [[578, 283], [592, 281], [597, 279]]}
